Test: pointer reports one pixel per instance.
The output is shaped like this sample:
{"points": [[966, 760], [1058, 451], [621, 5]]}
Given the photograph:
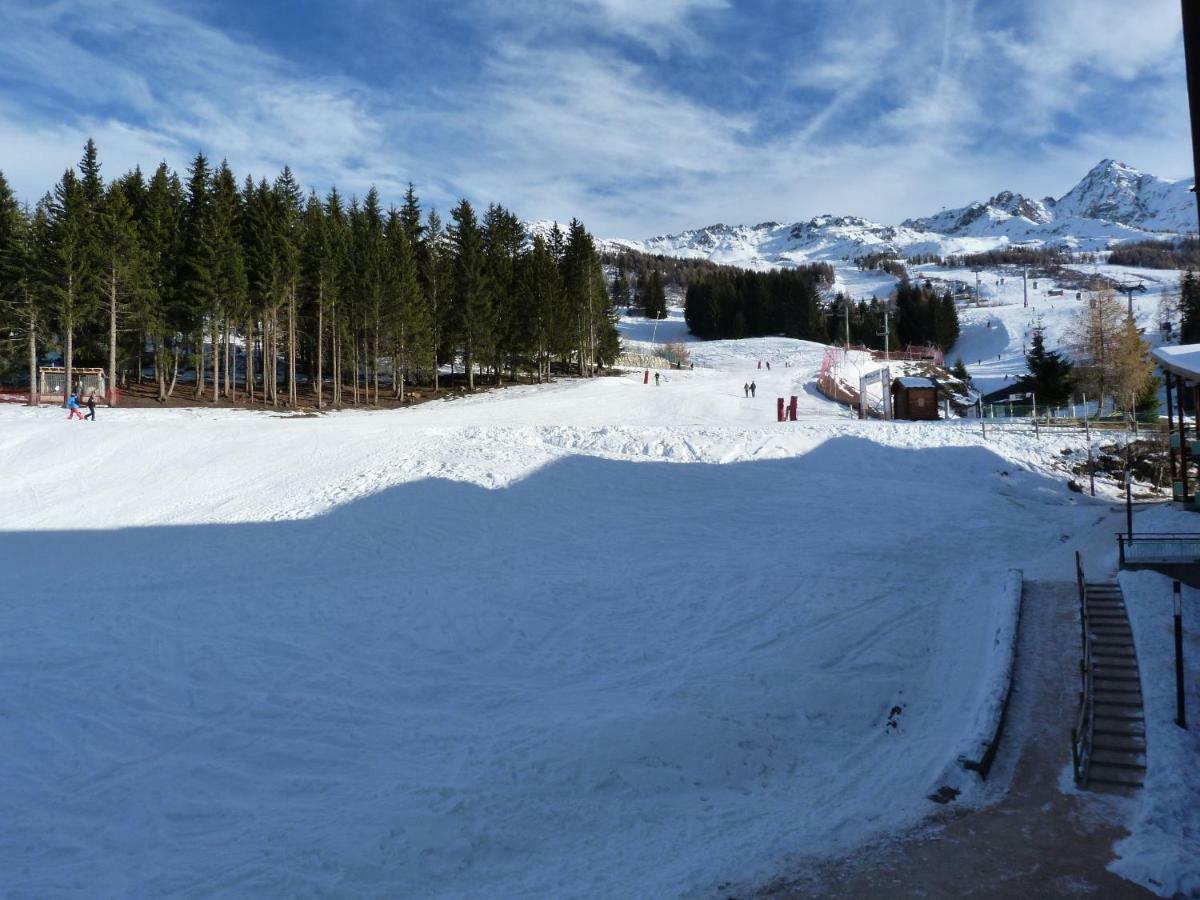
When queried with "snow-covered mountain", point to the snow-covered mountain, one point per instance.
{"points": [[1113, 202], [1119, 193]]}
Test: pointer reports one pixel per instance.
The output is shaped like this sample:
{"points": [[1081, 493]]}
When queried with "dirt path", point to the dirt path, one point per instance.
{"points": [[1035, 841]]}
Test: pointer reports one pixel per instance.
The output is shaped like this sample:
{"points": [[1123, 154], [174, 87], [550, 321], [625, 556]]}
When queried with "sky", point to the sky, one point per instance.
{"points": [[639, 117]]}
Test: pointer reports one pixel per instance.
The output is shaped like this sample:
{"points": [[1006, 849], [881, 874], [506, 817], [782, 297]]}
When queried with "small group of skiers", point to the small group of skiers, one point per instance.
{"points": [[750, 389], [75, 411]]}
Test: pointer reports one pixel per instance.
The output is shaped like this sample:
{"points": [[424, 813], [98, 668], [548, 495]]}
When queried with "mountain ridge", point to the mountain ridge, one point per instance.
{"points": [[1113, 202]]}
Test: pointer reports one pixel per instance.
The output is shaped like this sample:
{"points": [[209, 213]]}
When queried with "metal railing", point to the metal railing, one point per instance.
{"points": [[1158, 547], [1082, 733]]}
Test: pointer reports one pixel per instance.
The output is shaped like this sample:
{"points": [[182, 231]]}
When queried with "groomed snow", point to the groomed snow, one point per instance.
{"points": [[598, 638]]}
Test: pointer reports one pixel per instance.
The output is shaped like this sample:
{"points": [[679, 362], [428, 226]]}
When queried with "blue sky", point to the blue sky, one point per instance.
{"points": [[637, 116]]}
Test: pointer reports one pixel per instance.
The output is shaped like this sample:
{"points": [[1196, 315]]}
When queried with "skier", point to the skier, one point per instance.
{"points": [[768, 365], [73, 406], [91, 405], [752, 387], [656, 379], [746, 390]]}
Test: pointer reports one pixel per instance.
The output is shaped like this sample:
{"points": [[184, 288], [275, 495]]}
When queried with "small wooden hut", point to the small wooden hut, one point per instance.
{"points": [[914, 398]]}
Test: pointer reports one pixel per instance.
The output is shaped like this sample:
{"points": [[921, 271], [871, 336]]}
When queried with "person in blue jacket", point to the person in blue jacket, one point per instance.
{"points": [[73, 406]]}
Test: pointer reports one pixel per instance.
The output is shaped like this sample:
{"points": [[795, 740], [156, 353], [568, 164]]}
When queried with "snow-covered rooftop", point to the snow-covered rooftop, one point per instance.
{"points": [[1182, 359], [914, 381]]}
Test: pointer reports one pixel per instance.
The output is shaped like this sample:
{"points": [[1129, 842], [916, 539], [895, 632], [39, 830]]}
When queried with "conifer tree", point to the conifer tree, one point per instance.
{"points": [[1049, 375], [155, 310], [316, 275], [1093, 336], [197, 264], [289, 201], [473, 320], [436, 286], [230, 305], [410, 325], [410, 217], [960, 372], [263, 283], [1189, 308], [653, 296], [18, 297], [502, 238], [125, 270], [66, 261], [1131, 364], [337, 232]]}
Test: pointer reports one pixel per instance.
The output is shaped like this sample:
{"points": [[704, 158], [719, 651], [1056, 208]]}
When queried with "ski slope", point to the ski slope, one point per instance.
{"points": [[995, 335], [582, 639]]}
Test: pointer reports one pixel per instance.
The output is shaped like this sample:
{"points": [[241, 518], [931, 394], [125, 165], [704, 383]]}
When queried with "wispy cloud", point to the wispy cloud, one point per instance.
{"points": [[638, 117]]}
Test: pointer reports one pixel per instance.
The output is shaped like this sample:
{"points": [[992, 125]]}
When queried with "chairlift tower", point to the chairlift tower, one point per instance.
{"points": [[846, 304], [1128, 290], [885, 333]]}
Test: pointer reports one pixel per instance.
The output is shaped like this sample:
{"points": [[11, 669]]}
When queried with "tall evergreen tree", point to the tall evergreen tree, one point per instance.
{"points": [[1189, 308], [1049, 375], [653, 296], [437, 278], [67, 253], [473, 319], [230, 293], [125, 271], [197, 264], [18, 296], [289, 201]]}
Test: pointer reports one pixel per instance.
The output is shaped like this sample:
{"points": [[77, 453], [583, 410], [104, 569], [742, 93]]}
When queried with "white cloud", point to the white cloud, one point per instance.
{"points": [[946, 106]]}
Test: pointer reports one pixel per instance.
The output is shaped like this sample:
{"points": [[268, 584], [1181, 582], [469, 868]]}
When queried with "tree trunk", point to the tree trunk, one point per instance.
{"points": [[320, 342], [375, 364], [175, 374], [216, 358], [112, 334], [33, 372], [250, 362], [160, 371], [68, 360], [227, 345], [336, 362], [275, 357], [292, 398]]}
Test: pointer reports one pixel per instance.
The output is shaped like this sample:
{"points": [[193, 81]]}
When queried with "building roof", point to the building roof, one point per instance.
{"points": [[1183, 359], [914, 381]]}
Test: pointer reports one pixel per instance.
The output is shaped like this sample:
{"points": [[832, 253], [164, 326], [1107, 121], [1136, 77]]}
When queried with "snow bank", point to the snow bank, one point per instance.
{"points": [[996, 680], [1162, 853]]}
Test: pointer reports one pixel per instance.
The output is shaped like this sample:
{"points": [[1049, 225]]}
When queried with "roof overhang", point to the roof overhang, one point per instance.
{"points": [[1182, 360]]}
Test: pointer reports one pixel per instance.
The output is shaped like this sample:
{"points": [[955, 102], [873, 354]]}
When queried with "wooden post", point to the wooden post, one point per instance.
{"points": [[1180, 706], [1183, 460], [1170, 432]]}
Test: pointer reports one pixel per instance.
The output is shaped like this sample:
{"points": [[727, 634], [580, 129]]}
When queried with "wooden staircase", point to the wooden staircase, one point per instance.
{"points": [[1116, 757]]}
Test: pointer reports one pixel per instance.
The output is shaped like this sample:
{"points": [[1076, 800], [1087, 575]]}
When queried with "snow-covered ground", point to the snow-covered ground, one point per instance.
{"points": [[1162, 853], [589, 638], [995, 335]]}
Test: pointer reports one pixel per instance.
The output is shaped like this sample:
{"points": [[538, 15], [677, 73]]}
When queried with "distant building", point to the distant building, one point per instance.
{"points": [[914, 398]]}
